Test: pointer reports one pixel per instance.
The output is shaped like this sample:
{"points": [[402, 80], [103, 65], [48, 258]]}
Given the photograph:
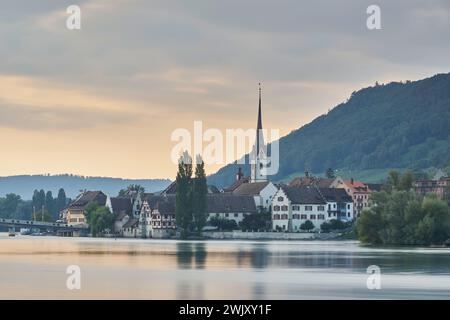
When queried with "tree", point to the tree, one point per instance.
{"points": [[130, 189], [199, 193], [332, 225], [61, 200], [223, 224], [307, 226], [394, 179], [50, 204], [330, 174], [99, 218], [406, 181], [258, 221], [403, 218], [183, 207]]}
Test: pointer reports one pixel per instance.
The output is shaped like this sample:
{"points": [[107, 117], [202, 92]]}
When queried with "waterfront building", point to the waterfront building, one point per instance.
{"points": [[230, 206], [293, 206], [75, 212], [358, 191]]}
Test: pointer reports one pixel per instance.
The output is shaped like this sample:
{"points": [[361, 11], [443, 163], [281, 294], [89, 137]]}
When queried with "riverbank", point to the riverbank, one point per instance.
{"points": [[240, 235]]}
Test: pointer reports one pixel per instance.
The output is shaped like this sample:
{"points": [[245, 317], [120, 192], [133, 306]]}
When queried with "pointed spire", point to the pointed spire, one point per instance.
{"points": [[259, 134]]}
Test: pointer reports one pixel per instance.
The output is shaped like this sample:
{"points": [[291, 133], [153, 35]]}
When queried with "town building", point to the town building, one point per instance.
{"points": [[293, 206], [310, 180], [358, 191], [440, 187], [262, 193], [75, 212], [229, 206]]}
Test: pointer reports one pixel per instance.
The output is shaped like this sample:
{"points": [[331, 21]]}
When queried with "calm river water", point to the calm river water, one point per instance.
{"points": [[35, 267]]}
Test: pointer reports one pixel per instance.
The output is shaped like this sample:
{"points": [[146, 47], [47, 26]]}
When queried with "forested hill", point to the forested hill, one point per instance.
{"points": [[24, 185], [397, 125]]}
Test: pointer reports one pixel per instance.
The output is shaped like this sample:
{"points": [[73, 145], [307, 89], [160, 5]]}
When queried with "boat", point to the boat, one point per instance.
{"points": [[25, 231]]}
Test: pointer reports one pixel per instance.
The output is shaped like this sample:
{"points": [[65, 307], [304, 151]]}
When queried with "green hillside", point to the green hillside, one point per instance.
{"points": [[397, 125]]}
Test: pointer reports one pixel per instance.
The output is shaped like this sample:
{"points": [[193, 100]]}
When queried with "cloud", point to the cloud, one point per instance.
{"points": [[153, 66], [25, 117]]}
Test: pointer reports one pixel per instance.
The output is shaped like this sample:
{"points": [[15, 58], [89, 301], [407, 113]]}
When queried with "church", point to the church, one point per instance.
{"points": [[257, 185]]}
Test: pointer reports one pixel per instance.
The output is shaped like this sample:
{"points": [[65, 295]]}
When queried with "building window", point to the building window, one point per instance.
{"points": [[280, 198], [276, 217], [320, 208], [321, 217], [284, 216], [236, 215], [348, 206], [303, 216], [284, 208], [276, 208], [296, 208], [226, 215], [334, 205], [308, 208], [329, 206], [312, 217]]}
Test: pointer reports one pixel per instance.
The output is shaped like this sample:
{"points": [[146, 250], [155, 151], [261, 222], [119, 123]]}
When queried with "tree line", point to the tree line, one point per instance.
{"points": [[42, 207], [399, 216]]}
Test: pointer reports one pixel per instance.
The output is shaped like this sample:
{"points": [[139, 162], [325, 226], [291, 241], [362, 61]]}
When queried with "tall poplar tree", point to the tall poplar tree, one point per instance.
{"points": [[199, 192], [183, 208]]}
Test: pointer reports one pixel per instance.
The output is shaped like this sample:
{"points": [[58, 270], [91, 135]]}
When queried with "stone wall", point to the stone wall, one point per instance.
{"points": [[269, 235]]}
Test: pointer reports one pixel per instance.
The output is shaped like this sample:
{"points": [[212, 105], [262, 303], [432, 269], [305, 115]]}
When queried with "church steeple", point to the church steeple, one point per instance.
{"points": [[259, 153], [259, 134]]}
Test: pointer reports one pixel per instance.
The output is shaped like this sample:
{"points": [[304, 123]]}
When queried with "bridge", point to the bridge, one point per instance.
{"points": [[62, 229]]}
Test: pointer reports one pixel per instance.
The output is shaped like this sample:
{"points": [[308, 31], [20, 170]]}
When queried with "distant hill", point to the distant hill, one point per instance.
{"points": [[24, 185], [396, 125]]}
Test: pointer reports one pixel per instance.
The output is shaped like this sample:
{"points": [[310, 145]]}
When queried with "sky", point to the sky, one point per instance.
{"points": [[105, 99]]}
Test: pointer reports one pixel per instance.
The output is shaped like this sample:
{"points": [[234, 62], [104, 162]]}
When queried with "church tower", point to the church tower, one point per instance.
{"points": [[258, 153]]}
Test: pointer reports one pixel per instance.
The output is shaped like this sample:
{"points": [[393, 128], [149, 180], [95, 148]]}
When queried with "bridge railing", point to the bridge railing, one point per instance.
{"points": [[40, 223]]}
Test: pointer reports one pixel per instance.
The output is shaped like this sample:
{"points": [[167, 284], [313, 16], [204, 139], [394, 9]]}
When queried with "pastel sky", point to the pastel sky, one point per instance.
{"points": [[104, 100]]}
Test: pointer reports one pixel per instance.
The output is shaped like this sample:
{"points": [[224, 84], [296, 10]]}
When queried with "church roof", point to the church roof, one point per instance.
{"points": [[250, 189], [236, 184]]}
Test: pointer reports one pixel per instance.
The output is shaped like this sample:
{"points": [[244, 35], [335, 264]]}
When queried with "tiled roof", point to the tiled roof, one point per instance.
{"points": [[225, 202], [86, 198], [250, 189], [236, 184], [121, 205], [131, 223], [335, 195], [303, 195], [172, 189], [357, 186], [310, 181]]}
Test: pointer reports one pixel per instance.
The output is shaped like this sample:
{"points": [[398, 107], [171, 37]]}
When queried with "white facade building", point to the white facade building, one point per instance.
{"points": [[292, 206]]}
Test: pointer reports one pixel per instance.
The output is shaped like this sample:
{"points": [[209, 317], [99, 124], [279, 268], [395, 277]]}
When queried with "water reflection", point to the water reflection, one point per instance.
{"points": [[191, 255], [34, 267]]}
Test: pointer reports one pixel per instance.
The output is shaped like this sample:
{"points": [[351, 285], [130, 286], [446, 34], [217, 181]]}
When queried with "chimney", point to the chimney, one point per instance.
{"points": [[352, 180], [239, 174]]}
